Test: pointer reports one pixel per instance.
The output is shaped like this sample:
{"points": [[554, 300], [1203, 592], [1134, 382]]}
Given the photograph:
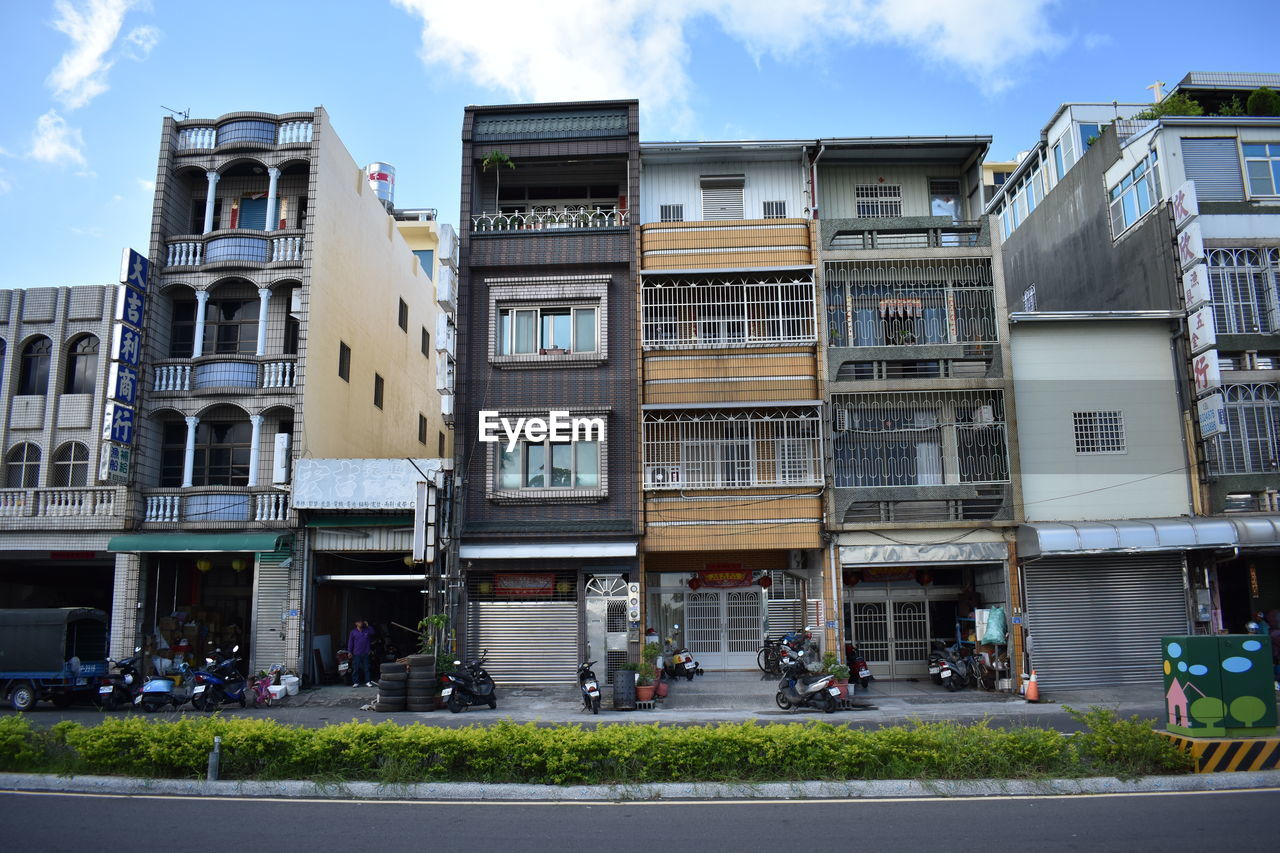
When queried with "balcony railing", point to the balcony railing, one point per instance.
{"points": [[728, 312], [732, 449], [193, 251], [255, 131], [957, 235], [214, 372], [220, 504], [1246, 290], [1251, 444], [600, 217], [58, 503]]}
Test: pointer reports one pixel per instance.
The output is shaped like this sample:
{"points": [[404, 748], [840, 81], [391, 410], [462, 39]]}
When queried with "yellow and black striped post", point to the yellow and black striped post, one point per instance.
{"points": [[1223, 755]]}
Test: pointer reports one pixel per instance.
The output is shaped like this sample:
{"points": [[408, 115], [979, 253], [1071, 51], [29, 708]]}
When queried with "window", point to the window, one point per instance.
{"points": [[1137, 193], [1059, 163], [560, 329], [775, 210], [221, 453], [422, 428], [1089, 134], [231, 326], [197, 215], [426, 342], [33, 376], [550, 465], [426, 259], [744, 311], [292, 335], [440, 445], [403, 318], [1262, 165], [944, 199], [82, 366], [1064, 154], [71, 465], [344, 362], [1245, 284], [377, 390], [671, 213], [182, 329], [1214, 164], [22, 466], [873, 200], [739, 448], [1099, 432], [1250, 443]]}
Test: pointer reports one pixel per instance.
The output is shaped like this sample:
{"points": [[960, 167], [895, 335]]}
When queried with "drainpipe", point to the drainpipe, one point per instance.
{"points": [[813, 178]]}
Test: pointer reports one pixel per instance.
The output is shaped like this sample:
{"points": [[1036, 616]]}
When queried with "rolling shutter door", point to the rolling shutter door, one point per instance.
{"points": [[275, 640], [1097, 621], [529, 642], [722, 196], [1214, 164]]}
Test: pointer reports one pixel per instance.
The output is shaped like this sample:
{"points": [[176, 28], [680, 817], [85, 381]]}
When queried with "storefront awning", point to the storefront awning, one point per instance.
{"points": [[949, 552], [1046, 539], [547, 550], [177, 543]]}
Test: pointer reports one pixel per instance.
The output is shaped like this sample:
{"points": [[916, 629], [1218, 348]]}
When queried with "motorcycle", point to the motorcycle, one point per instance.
{"points": [[859, 672], [590, 687], [468, 685], [219, 682], [117, 689], [937, 658], [161, 691], [799, 688], [679, 662]]}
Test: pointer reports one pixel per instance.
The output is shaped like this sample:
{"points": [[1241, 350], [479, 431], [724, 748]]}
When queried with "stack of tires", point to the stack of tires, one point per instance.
{"points": [[421, 694], [392, 684]]}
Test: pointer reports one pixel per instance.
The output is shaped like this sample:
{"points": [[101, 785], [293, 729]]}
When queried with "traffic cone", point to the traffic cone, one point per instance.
{"points": [[1033, 689]]}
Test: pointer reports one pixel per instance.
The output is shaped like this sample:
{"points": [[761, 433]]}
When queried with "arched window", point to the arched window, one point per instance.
{"points": [[33, 376], [22, 466], [82, 366], [71, 465], [221, 453]]}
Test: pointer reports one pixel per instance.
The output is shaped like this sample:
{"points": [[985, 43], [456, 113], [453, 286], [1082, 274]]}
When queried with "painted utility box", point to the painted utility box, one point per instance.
{"points": [[1219, 686]]}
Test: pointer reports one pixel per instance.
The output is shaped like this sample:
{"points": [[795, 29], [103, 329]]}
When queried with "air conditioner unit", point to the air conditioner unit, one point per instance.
{"points": [[280, 463]]}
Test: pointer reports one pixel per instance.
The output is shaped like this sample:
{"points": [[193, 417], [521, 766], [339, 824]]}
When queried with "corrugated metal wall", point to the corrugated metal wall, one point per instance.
{"points": [[529, 642], [678, 184], [1097, 620], [836, 183]]}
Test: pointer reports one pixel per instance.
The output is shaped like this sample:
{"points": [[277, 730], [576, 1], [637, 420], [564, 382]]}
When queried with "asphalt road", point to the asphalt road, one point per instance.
{"points": [[1127, 822]]}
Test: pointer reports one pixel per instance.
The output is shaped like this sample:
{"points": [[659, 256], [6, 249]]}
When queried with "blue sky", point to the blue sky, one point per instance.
{"points": [[86, 81]]}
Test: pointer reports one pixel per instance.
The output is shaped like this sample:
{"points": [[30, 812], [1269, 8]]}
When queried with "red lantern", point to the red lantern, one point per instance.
{"points": [[694, 583], [924, 578], [765, 581]]}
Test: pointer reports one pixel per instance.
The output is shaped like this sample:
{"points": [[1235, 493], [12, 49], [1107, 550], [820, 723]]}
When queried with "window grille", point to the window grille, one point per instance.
{"points": [[1244, 283], [726, 449], [1099, 432], [727, 312], [671, 213], [903, 303], [923, 438], [878, 199], [775, 210], [1252, 439]]}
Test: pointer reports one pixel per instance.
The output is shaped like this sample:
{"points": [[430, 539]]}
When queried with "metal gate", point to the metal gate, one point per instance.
{"points": [[1096, 621], [529, 642], [892, 635], [606, 607], [724, 628]]}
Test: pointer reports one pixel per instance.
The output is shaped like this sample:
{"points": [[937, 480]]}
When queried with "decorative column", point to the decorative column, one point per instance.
{"points": [[189, 456], [209, 200], [255, 446], [272, 219], [197, 346], [264, 301]]}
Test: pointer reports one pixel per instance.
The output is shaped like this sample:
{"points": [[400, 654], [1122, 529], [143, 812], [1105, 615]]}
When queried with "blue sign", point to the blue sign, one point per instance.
{"points": [[135, 269], [123, 386], [126, 346], [130, 305], [118, 424]]}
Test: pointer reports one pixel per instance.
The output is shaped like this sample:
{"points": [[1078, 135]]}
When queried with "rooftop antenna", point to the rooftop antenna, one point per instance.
{"points": [[1155, 88], [177, 116]]}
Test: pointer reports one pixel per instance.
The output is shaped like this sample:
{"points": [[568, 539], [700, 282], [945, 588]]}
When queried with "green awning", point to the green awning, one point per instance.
{"points": [[154, 543]]}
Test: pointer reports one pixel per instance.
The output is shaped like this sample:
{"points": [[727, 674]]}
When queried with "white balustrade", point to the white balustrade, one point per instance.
{"points": [[197, 137], [164, 508], [286, 249], [294, 131], [13, 503], [278, 374], [272, 506], [75, 502], [172, 377], [582, 217], [185, 253]]}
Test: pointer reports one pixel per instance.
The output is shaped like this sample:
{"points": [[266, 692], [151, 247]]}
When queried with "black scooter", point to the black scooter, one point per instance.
{"points": [[117, 689], [590, 687], [469, 685]]}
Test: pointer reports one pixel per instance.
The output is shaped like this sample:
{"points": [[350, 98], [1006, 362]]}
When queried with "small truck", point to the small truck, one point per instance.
{"points": [[51, 653]]}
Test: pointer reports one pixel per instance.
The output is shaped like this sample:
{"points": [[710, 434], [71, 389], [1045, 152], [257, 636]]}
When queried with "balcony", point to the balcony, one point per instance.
{"points": [[244, 133], [212, 374], [728, 312], [546, 217], [726, 244], [241, 246], [82, 507], [215, 505], [964, 235]]}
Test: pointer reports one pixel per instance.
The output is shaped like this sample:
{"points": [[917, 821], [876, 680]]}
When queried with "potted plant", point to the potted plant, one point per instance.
{"points": [[497, 160], [644, 686], [650, 674], [840, 678]]}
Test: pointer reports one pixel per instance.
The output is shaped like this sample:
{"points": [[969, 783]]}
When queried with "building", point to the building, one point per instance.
{"points": [[549, 512], [283, 324], [1166, 404]]}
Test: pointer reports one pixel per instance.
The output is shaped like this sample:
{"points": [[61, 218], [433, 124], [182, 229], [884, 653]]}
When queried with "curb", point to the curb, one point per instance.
{"points": [[877, 789]]}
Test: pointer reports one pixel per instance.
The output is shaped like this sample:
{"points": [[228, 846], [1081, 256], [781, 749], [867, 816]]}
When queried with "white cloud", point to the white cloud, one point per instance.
{"points": [[55, 143], [139, 42], [93, 26], [561, 50], [147, 186]]}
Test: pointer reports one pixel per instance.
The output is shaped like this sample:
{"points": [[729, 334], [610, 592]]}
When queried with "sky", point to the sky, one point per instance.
{"points": [[88, 82]]}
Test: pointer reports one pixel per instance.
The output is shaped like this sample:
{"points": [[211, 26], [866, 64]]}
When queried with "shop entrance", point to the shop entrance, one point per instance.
{"points": [[724, 627]]}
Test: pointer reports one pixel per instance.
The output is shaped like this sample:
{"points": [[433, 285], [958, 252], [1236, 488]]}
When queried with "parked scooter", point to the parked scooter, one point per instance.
{"points": [[678, 661], [799, 688], [590, 687], [117, 688], [162, 690], [468, 685], [937, 658], [859, 672], [219, 682]]}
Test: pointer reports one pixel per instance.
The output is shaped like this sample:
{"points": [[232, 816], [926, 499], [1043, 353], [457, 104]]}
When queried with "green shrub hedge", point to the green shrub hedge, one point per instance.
{"points": [[562, 755]]}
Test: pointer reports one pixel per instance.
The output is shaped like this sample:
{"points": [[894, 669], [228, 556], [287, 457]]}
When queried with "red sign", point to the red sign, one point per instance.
{"points": [[525, 586], [72, 555], [882, 574], [724, 575]]}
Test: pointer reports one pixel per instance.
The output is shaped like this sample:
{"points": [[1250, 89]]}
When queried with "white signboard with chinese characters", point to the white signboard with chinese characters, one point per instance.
{"points": [[359, 483], [1190, 246], [1205, 372], [1213, 415], [116, 462], [1184, 204], [1203, 329], [1195, 287]]}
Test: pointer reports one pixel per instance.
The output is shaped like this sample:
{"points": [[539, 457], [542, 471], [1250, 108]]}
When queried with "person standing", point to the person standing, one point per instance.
{"points": [[358, 645]]}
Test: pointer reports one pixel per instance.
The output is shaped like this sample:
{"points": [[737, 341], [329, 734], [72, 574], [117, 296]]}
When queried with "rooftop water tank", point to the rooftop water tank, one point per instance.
{"points": [[382, 177]]}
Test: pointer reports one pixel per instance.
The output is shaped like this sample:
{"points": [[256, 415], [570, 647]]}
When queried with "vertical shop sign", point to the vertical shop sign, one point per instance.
{"points": [[119, 417]]}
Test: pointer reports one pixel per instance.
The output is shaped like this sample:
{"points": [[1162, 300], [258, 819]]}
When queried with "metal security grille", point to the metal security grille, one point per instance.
{"points": [[277, 590], [878, 199], [702, 612], [922, 438], [904, 303], [671, 213], [1096, 621], [743, 622], [1244, 284], [727, 448], [910, 635], [1251, 444], [529, 642], [1214, 164], [775, 210], [1099, 432], [871, 630], [722, 202], [727, 312]]}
